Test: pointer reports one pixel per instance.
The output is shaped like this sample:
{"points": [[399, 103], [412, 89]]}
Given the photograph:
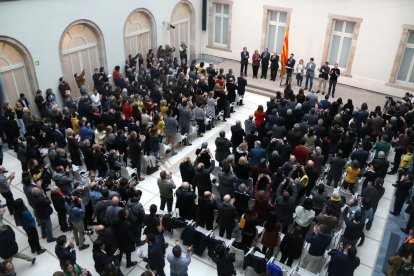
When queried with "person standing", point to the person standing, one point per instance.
{"points": [[183, 54], [403, 190], [178, 263], [76, 211], [227, 217], [166, 185], [323, 77], [343, 263], [244, 56], [9, 248], [5, 182], [241, 88], [255, 63], [125, 237], [274, 66], [156, 252], [264, 57], [290, 65], [224, 260], [24, 218], [310, 73], [43, 210], [135, 151], [184, 119], [300, 70], [319, 240], [334, 73]]}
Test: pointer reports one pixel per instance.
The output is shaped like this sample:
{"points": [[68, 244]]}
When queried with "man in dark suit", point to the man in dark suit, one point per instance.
{"points": [[65, 252], [265, 57], [227, 217], [381, 165], [237, 134], [290, 66], [241, 88], [206, 207], [244, 61], [202, 177], [360, 155], [274, 66], [337, 164], [185, 201]]}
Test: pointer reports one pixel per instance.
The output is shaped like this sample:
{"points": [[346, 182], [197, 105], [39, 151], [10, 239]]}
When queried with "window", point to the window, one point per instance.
{"points": [[221, 24], [277, 21], [341, 42], [406, 70]]}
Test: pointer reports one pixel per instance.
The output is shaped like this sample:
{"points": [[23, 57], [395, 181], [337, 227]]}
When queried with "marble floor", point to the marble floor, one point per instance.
{"points": [[47, 263]]}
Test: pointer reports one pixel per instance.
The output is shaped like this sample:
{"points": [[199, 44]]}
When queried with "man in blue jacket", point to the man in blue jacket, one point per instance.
{"points": [[319, 240]]}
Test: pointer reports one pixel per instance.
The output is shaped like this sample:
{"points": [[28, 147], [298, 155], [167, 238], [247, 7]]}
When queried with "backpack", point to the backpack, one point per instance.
{"points": [[136, 212]]}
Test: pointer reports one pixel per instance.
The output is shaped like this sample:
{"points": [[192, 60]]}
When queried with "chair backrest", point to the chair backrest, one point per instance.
{"points": [[238, 253]]}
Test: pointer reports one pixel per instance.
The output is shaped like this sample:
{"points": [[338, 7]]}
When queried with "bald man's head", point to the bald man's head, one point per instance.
{"points": [[250, 117], [207, 194], [227, 198], [99, 228], [310, 163], [185, 185], [115, 200], [238, 122]]}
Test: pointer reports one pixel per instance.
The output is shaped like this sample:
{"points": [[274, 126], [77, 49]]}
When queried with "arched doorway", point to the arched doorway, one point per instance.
{"points": [[17, 74], [139, 33], [183, 19], [81, 47]]}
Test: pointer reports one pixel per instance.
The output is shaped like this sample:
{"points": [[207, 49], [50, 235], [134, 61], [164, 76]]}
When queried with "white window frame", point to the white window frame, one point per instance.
{"points": [[411, 67], [342, 34], [277, 24], [222, 15]]}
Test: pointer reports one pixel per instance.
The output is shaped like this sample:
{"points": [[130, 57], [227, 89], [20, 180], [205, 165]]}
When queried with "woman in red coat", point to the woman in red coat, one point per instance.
{"points": [[127, 110], [259, 116], [255, 63]]}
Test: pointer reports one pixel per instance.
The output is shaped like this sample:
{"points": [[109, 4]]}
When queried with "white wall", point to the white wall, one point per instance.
{"points": [[39, 25], [377, 43]]}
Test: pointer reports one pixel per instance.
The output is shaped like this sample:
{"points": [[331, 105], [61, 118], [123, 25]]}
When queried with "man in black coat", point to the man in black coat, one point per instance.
{"points": [[43, 210], [65, 252], [337, 164], [187, 170], [265, 57], [202, 178], [185, 201], [227, 217], [381, 165], [403, 188], [343, 263], [156, 254], [9, 248], [206, 206], [274, 66], [241, 88], [237, 135]]}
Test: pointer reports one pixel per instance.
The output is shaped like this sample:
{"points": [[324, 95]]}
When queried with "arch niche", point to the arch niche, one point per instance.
{"points": [[17, 73], [81, 47], [140, 33], [183, 18]]}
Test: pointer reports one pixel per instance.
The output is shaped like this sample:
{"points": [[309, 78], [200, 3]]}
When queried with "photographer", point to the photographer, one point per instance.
{"points": [[343, 262], [76, 210], [286, 195], [354, 225], [224, 261]]}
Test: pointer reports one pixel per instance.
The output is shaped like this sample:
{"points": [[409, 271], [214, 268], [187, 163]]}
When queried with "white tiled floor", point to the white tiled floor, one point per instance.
{"points": [[47, 263]]}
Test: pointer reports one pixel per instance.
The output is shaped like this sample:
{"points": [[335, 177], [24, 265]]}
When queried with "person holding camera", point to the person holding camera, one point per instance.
{"points": [[224, 260], [102, 258], [5, 182], [166, 185], [319, 240], [76, 210], [343, 262]]}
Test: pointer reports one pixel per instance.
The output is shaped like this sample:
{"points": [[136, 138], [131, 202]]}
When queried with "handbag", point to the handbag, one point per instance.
{"points": [[242, 222]]}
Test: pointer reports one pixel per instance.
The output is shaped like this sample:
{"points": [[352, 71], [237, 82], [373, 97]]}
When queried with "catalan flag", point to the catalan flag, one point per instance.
{"points": [[285, 53]]}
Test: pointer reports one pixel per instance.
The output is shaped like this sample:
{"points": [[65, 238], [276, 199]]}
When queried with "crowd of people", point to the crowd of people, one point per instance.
{"points": [[272, 169]]}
